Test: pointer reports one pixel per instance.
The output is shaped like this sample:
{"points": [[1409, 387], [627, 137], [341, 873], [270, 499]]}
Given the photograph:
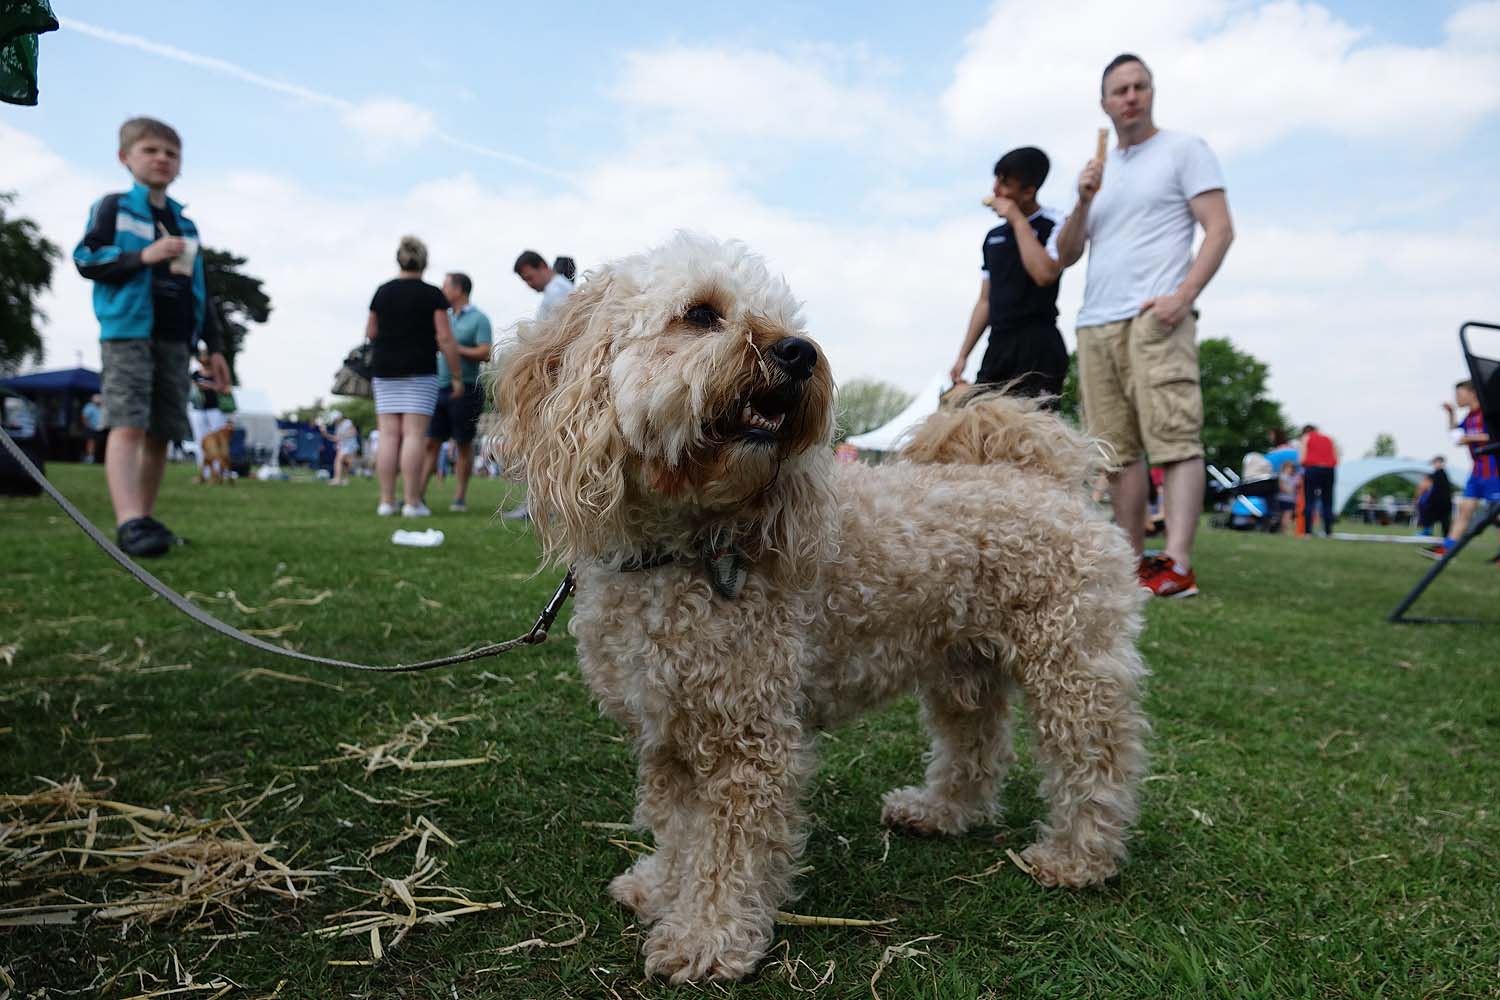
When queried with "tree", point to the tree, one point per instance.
{"points": [[1384, 447], [25, 272], [1238, 416], [1067, 400], [864, 404], [238, 299]]}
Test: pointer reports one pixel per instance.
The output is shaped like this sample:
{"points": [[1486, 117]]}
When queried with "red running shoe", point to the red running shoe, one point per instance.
{"points": [[1147, 566], [1165, 581]]}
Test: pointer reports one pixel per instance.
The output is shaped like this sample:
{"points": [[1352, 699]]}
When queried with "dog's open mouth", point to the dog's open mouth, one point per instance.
{"points": [[763, 415]]}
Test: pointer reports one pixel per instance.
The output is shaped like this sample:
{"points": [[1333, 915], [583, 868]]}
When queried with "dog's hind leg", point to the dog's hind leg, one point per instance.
{"points": [[1090, 741], [967, 712]]}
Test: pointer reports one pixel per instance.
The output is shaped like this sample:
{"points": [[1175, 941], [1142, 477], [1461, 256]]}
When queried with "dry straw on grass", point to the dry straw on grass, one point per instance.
{"points": [[173, 869], [400, 751], [895, 952], [245, 609], [387, 914], [198, 874]]}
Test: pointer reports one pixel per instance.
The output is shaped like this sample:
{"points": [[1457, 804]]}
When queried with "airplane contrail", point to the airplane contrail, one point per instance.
{"points": [[227, 68]]}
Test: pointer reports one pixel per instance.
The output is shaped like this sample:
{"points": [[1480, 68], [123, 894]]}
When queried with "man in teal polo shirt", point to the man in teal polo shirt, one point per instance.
{"points": [[459, 419]]}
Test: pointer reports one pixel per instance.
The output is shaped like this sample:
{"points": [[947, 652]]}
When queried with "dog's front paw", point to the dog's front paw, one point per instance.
{"points": [[703, 953], [1052, 864], [640, 889], [916, 810]]}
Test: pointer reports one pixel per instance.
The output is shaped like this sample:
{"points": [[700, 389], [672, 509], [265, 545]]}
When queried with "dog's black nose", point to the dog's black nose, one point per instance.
{"points": [[797, 356]]}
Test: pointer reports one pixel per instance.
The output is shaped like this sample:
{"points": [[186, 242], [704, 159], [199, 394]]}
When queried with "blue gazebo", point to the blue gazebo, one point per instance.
{"points": [[59, 396]]}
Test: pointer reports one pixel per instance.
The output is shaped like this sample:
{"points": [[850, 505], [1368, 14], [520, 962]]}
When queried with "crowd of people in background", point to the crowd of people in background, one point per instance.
{"points": [[429, 347], [1140, 204], [1305, 471]]}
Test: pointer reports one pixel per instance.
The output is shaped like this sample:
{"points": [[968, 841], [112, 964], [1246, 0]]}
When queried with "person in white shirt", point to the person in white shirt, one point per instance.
{"points": [[1137, 212], [539, 277], [345, 437]]}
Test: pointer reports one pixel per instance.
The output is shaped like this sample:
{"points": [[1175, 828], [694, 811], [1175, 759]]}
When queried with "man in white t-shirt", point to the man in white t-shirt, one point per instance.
{"points": [[540, 277], [1137, 337]]}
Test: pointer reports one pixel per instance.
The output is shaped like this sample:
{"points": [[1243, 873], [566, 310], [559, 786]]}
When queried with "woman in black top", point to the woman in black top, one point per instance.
{"points": [[409, 324]]}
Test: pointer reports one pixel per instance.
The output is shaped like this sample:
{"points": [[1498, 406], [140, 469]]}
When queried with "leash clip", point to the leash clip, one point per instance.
{"points": [[538, 633]]}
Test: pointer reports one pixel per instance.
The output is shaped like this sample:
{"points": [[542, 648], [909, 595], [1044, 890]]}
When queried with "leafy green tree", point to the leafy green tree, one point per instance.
{"points": [[238, 299], [1067, 400], [25, 272], [864, 404], [1238, 415], [1384, 447]]}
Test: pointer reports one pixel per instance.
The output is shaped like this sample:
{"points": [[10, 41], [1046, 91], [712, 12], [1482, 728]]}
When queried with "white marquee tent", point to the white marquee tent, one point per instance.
{"points": [[888, 437]]}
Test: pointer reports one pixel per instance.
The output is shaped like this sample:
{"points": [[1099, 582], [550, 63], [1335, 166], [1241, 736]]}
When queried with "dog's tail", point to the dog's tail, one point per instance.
{"points": [[991, 428]]}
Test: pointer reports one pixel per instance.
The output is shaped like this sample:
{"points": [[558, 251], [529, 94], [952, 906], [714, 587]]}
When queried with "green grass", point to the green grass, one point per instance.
{"points": [[1321, 821]]}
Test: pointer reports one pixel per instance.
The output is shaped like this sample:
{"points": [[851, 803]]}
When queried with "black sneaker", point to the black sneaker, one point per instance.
{"points": [[171, 537], [142, 538]]}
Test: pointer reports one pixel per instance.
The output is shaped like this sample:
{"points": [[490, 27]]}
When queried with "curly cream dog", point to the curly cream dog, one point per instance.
{"points": [[738, 590]]}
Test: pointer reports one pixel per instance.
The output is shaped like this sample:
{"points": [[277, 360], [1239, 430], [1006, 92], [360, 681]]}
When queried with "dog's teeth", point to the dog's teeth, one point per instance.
{"points": [[754, 418]]}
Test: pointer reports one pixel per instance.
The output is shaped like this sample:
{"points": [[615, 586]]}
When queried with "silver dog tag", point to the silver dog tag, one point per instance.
{"points": [[726, 572]]}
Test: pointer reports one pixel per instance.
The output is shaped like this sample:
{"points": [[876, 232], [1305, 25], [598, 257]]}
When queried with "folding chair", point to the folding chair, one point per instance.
{"points": [[1485, 372]]}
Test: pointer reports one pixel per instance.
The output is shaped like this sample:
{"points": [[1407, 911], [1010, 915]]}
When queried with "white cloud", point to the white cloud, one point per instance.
{"points": [[389, 123], [1359, 327], [820, 95], [1242, 76]]}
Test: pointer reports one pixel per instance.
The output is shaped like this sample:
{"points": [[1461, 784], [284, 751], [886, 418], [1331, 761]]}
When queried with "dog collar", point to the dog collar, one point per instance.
{"points": [[727, 569]]}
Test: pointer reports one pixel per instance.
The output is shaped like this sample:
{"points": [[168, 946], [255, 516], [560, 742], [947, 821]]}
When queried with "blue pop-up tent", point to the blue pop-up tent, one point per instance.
{"points": [[80, 381], [59, 396]]}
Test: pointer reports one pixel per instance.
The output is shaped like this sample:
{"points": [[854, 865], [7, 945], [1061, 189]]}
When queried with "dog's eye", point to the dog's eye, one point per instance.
{"points": [[702, 316]]}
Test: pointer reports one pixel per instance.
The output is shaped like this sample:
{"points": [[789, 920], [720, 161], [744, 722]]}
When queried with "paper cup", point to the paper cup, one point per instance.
{"points": [[183, 263]]}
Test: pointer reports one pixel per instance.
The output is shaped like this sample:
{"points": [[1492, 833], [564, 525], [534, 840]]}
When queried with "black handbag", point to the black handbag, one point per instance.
{"points": [[353, 379]]}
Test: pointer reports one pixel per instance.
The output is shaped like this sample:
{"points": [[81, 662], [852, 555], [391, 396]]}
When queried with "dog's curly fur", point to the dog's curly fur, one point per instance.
{"points": [[970, 571]]}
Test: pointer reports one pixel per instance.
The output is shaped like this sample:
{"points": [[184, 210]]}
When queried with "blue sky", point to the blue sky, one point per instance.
{"points": [[848, 143]]}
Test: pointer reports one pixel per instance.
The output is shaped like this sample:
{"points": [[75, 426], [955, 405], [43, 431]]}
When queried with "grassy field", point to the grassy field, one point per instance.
{"points": [[1321, 821]]}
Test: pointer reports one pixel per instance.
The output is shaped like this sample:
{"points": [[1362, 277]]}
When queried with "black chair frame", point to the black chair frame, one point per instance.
{"points": [[1485, 373]]}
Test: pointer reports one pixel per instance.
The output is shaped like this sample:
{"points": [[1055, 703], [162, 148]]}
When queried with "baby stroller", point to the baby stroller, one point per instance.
{"points": [[1244, 504], [23, 424]]}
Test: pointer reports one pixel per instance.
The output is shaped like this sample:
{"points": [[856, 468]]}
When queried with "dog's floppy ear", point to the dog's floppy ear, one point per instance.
{"points": [[558, 429]]}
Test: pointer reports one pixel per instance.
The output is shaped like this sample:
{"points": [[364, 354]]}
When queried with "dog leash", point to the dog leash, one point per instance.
{"points": [[534, 637]]}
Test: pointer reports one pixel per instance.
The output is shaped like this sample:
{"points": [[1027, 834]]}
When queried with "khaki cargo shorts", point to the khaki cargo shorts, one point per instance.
{"points": [[145, 385], [1138, 386]]}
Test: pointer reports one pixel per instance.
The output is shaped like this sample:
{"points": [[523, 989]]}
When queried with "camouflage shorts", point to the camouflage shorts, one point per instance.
{"points": [[145, 385]]}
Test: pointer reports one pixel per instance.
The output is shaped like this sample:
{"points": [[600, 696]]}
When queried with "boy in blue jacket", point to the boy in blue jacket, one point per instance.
{"points": [[141, 253]]}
